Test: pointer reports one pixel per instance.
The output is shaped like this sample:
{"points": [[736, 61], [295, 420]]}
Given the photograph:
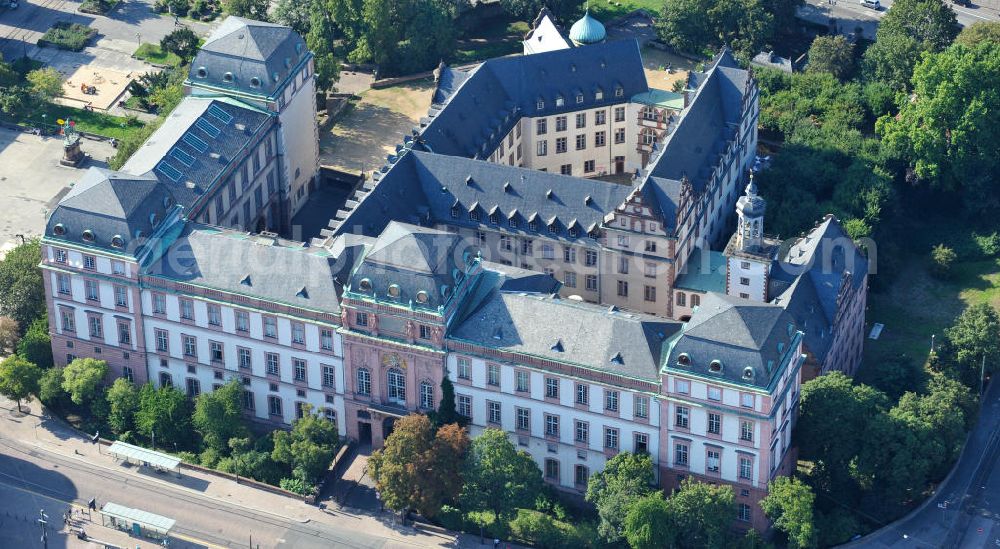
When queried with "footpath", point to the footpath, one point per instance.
{"points": [[37, 427]]}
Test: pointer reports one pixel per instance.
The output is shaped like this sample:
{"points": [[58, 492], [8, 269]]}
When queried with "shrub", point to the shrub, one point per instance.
{"points": [[36, 345], [189, 457], [67, 36], [451, 518], [209, 458], [942, 258], [294, 485], [989, 244]]}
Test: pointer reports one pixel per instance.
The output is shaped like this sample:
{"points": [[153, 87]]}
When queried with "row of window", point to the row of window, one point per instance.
{"points": [[713, 393], [395, 388], [92, 290], [682, 420], [600, 118], [600, 140], [713, 460], [95, 325], [89, 262], [598, 96]]}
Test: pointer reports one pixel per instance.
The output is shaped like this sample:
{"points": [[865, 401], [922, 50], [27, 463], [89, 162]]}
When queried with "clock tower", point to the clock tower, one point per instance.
{"points": [[749, 254]]}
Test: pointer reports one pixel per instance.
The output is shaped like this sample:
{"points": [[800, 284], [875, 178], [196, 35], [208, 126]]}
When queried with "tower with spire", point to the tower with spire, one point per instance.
{"points": [[750, 254]]}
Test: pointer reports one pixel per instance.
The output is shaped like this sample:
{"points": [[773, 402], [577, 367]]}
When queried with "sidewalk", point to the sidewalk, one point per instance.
{"points": [[52, 434]]}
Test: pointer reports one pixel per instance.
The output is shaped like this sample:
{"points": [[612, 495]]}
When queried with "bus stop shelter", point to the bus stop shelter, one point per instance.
{"points": [[137, 522], [142, 456]]}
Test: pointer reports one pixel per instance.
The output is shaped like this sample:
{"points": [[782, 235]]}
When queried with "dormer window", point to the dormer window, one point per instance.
{"points": [[599, 95], [59, 229], [422, 297], [495, 219], [255, 82], [747, 373], [228, 77], [532, 225], [715, 367], [454, 212], [683, 359], [365, 285], [88, 235], [619, 91], [540, 104], [512, 222], [573, 231], [202, 72], [117, 241], [394, 290], [560, 101], [579, 98]]}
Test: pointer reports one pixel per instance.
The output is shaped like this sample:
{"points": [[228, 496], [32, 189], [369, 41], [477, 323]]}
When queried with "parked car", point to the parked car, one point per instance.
{"points": [[873, 4]]}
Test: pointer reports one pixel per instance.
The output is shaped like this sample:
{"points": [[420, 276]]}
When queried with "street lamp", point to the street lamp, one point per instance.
{"points": [[43, 521], [138, 38]]}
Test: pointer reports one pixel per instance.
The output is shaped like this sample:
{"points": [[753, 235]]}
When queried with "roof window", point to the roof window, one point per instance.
{"points": [[715, 367], [365, 285], [117, 241], [202, 72], [255, 82], [59, 229], [683, 359], [88, 235], [422, 297], [747, 373], [228, 77]]}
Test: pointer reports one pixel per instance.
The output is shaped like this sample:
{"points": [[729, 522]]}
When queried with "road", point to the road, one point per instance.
{"points": [[851, 14], [964, 513]]}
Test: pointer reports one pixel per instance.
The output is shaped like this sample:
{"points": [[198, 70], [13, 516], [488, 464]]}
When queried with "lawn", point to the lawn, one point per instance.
{"points": [[67, 36], [917, 305], [489, 41], [86, 121], [152, 53], [606, 10]]}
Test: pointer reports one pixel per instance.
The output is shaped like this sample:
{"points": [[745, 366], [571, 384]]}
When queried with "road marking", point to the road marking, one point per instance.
{"points": [[196, 540]]}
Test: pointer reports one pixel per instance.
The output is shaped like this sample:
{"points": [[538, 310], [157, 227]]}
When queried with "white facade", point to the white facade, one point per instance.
{"points": [[299, 136]]}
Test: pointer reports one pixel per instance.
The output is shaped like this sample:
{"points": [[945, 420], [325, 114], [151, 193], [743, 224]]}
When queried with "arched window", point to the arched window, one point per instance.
{"points": [[397, 386], [681, 299], [364, 382], [426, 395], [695, 300]]}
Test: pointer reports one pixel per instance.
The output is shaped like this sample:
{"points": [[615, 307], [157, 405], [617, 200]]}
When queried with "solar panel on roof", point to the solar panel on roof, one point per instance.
{"points": [[207, 127], [169, 171], [219, 114], [195, 142], [182, 157]]}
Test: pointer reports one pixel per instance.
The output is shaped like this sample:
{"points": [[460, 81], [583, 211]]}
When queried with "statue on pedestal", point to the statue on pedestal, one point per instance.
{"points": [[72, 155]]}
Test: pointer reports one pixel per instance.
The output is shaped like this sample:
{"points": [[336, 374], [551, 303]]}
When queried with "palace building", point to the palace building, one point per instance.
{"points": [[555, 237]]}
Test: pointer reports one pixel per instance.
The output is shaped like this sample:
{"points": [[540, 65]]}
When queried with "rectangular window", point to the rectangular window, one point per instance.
{"points": [[493, 374], [242, 321], [68, 320], [746, 431], [746, 513], [329, 375], [680, 454], [300, 369], [270, 327], [272, 362], [611, 438], [326, 339], [641, 407], [493, 412], [162, 345], [96, 325], [582, 432], [551, 387], [248, 401], [746, 400], [744, 281], [560, 145], [591, 282], [523, 416], [522, 381], [93, 293], [464, 405], [649, 293], [569, 279], [641, 443], [611, 401], [187, 309], [746, 468], [600, 139], [464, 369], [528, 247], [364, 386], [214, 315], [581, 475], [552, 469], [566, 169], [590, 258], [89, 262], [714, 423], [712, 461], [623, 265], [681, 417], [121, 296], [274, 405], [61, 256], [361, 319], [682, 386], [190, 346], [581, 120], [581, 142], [582, 394], [600, 117], [244, 358], [541, 126], [298, 333], [426, 396], [193, 387], [166, 380], [622, 288], [124, 333], [560, 123], [714, 393], [542, 148], [619, 114], [551, 425], [215, 351]]}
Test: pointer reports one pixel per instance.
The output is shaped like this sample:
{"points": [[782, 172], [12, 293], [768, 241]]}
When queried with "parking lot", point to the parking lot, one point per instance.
{"points": [[31, 180]]}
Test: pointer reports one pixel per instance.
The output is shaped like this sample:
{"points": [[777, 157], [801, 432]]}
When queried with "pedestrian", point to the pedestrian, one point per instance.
{"points": [[496, 543]]}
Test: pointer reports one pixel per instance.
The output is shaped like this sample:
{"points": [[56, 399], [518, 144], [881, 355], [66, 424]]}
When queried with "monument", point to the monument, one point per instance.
{"points": [[72, 155]]}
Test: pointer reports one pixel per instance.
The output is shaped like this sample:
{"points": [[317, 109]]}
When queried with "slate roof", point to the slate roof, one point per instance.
{"points": [[413, 259], [423, 188], [743, 335], [585, 334], [110, 204], [257, 266], [701, 135], [497, 93], [249, 56], [209, 133]]}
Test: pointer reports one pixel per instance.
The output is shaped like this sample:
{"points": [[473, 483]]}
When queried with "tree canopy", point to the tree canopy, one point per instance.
{"points": [[218, 415], [183, 42], [123, 403], [499, 478], [832, 54], [909, 28], [703, 512], [309, 447], [625, 478], [699, 26], [164, 415], [789, 503], [83, 378], [648, 523], [36, 345], [22, 294], [980, 31], [18, 379]]}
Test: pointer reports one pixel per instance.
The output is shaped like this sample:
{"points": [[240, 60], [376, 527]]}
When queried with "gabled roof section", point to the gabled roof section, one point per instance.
{"points": [[544, 35], [112, 210], [733, 339], [197, 142], [248, 56], [277, 270], [562, 330]]}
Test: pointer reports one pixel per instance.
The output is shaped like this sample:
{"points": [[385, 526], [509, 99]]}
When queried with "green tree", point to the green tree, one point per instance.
{"points": [[973, 338], [789, 503], [46, 83], [980, 31], [446, 413], [82, 379], [294, 14], [218, 415], [946, 131], [499, 478], [50, 390], [648, 523], [626, 478], [182, 42], [18, 379], [22, 294], [164, 415], [418, 468], [36, 345], [743, 25], [703, 512], [683, 25], [308, 448], [251, 9], [832, 54], [123, 404], [909, 28], [10, 334], [404, 36], [942, 258], [893, 375]]}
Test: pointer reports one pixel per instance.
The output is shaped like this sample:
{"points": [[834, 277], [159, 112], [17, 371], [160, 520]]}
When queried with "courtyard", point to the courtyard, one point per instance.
{"points": [[32, 181]]}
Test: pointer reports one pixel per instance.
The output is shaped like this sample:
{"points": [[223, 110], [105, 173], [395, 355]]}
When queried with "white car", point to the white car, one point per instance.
{"points": [[873, 4]]}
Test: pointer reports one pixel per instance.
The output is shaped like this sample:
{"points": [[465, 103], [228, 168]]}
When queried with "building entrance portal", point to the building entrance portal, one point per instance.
{"points": [[364, 433]]}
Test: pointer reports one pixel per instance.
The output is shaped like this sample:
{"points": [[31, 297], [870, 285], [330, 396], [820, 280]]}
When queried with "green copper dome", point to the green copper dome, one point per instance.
{"points": [[587, 30]]}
